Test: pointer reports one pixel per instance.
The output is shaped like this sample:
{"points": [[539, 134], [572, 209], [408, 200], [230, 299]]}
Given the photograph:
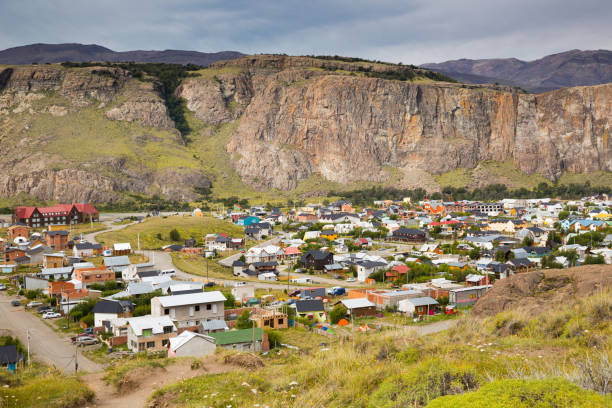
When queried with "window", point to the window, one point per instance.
{"points": [[164, 342], [280, 321], [166, 311], [167, 329], [141, 346], [146, 332], [150, 344], [209, 307], [197, 308]]}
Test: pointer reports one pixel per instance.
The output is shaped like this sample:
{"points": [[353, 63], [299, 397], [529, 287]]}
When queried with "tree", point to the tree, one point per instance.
{"points": [[175, 235], [244, 320], [594, 260], [337, 313], [528, 241], [572, 257], [563, 215], [274, 338], [475, 253], [142, 310], [230, 300], [500, 256]]}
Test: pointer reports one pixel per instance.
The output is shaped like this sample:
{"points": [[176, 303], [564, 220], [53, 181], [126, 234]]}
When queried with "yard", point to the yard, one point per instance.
{"points": [[155, 231]]}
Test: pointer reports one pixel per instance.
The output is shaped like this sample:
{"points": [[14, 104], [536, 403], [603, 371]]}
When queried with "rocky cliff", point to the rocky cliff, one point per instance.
{"points": [[273, 122], [61, 136], [301, 121]]}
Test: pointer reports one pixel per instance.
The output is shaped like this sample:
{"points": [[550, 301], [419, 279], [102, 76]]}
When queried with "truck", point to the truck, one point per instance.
{"points": [[337, 291]]}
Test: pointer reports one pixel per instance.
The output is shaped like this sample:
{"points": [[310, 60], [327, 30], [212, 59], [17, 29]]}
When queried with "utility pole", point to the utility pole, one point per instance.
{"points": [[206, 270], [253, 320], [76, 356], [139, 242], [28, 337]]}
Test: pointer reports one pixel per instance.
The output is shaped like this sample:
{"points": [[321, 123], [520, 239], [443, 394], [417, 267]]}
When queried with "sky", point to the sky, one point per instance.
{"points": [[410, 31]]}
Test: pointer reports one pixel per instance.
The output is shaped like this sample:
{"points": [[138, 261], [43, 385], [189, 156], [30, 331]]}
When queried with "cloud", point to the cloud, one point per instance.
{"points": [[415, 31]]}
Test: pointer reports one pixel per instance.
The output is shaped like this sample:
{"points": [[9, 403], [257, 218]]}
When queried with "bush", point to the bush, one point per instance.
{"points": [[525, 394], [244, 320], [175, 235], [142, 310], [274, 338], [337, 313], [88, 320]]}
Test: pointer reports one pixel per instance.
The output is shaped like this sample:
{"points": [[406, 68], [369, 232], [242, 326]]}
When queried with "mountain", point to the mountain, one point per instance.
{"points": [[566, 69], [54, 53], [271, 126]]}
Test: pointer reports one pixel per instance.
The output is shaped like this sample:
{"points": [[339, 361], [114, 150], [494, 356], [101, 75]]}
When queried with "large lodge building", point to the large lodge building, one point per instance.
{"points": [[57, 214]]}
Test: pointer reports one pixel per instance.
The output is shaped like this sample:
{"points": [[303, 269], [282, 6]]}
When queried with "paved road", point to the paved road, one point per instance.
{"points": [[45, 344]]}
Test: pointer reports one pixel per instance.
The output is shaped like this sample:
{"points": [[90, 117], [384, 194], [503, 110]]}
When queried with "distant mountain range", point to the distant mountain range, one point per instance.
{"points": [[570, 68], [54, 53]]}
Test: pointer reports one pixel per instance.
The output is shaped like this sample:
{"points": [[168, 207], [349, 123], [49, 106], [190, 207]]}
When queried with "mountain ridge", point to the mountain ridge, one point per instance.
{"points": [[560, 70], [42, 53]]}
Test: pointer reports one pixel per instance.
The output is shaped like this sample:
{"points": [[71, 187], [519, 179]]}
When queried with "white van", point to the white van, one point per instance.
{"points": [[168, 272]]}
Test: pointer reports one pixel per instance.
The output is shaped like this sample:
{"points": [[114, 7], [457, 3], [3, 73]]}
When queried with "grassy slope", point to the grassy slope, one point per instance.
{"points": [[40, 387], [188, 227], [395, 368]]}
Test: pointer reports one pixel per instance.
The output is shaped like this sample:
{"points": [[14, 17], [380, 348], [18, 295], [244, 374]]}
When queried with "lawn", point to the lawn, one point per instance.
{"points": [[196, 265], [154, 228]]}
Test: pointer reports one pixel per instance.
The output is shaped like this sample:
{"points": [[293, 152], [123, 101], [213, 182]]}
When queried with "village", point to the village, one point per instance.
{"points": [[329, 269]]}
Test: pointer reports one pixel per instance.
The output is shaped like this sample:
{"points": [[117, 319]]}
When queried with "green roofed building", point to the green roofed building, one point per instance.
{"points": [[242, 340]]}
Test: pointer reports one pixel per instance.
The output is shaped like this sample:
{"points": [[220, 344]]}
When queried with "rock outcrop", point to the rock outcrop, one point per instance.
{"points": [[535, 292]]}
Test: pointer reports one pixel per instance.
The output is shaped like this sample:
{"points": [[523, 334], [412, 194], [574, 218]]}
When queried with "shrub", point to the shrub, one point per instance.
{"points": [[525, 394], [337, 313], [175, 235]]}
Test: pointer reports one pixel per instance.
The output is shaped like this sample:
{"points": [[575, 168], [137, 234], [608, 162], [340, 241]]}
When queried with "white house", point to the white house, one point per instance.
{"points": [[150, 333], [190, 344], [267, 276]]}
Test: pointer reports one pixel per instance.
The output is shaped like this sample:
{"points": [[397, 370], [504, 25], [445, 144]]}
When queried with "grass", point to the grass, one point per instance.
{"points": [[196, 227], [196, 265], [40, 386], [548, 361]]}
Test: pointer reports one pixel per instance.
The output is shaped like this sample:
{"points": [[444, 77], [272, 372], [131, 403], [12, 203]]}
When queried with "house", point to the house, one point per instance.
{"points": [[477, 280], [37, 254], [131, 272], [291, 253], [359, 307], [390, 298], [330, 235], [311, 310], [150, 333], [467, 296], [312, 293], [396, 272], [117, 263], [521, 264], [54, 289], [418, 306], [122, 249], [69, 298], [11, 254], [58, 214], [267, 276], [106, 310], [86, 249], [366, 267], [56, 273], [18, 230], [87, 276], [54, 260], [190, 344], [242, 340], [241, 292], [57, 240], [10, 357], [270, 319], [187, 311], [266, 254], [212, 326], [264, 267], [408, 235], [315, 259]]}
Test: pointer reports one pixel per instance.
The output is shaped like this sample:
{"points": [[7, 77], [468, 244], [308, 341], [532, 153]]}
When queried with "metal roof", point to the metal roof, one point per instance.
{"points": [[191, 299]]}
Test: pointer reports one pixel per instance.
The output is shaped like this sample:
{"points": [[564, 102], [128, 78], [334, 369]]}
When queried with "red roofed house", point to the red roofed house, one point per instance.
{"points": [[291, 253], [57, 214], [396, 272]]}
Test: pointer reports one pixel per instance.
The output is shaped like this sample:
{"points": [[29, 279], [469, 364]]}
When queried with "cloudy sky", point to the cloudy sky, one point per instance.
{"points": [[409, 31]]}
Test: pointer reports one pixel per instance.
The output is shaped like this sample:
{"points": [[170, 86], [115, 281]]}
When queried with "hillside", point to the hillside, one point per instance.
{"points": [[55, 53], [566, 69], [269, 126]]}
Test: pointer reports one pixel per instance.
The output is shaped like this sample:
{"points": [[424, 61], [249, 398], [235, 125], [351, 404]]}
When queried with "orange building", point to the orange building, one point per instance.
{"points": [[434, 208], [57, 240], [13, 253], [56, 288], [18, 230], [99, 274]]}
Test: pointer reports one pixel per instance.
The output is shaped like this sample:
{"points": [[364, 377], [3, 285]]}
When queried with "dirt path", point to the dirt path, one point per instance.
{"points": [[107, 396]]}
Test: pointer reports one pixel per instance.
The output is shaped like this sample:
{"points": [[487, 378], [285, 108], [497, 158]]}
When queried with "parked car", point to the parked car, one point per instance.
{"points": [[15, 303], [336, 291], [2, 286], [86, 341], [34, 304], [51, 315], [44, 309], [209, 284], [88, 330], [295, 293], [339, 277], [351, 280]]}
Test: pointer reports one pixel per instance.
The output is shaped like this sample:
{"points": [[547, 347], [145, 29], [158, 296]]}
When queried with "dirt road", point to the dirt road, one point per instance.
{"points": [[45, 344]]}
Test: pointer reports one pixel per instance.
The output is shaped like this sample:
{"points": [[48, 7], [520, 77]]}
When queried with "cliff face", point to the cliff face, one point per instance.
{"points": [[94, 133], [61, 137], [352, 128]]}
